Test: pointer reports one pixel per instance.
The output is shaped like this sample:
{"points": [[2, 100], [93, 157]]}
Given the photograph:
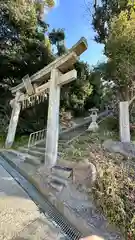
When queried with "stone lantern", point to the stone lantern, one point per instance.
{"points": [[93, 127]]}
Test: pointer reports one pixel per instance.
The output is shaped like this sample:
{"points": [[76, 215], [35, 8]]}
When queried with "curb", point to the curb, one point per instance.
{"points": [[73, 218]]}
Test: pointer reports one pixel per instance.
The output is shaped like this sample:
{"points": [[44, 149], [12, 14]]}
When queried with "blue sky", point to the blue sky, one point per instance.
{"points": [[71, 15]]}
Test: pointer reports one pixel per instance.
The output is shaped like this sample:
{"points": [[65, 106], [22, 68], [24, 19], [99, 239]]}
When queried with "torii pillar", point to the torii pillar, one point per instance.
{"points": [[16, 108], [57, 80]]}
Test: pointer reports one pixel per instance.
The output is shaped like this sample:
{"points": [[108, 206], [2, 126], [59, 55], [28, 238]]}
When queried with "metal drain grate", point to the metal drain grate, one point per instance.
{"points": [[65, 226], [44, 205]]}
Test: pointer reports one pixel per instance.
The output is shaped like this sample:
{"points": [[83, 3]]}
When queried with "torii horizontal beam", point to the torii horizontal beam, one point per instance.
{"points": [[61, 63], [64, 79]]}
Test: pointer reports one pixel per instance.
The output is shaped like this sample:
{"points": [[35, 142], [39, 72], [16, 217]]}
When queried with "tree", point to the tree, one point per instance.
{"points": [[95, 79], [113, 22], [75, 94], [120, 49], [22, 40], [57, 37], [103, 14], [23, 47]]}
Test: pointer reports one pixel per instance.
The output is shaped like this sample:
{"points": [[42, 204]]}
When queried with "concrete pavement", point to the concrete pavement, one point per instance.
{"points": [[19, 216]]}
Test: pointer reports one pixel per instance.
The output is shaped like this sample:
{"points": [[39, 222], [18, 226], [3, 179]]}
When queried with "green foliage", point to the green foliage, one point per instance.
{"points": [[113, 22], [20, 141], [103, 14], [23, 50], [57, 38], [120, 48], [111, 123], [23, 15], [113, 191], [75, 94], [94, 100]]}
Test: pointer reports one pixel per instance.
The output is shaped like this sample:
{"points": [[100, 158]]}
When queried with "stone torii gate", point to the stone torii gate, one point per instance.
{"points": [[61, 71]]}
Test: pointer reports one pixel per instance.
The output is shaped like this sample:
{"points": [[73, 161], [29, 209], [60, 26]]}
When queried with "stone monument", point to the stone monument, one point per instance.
{"points": [[124, 123]]}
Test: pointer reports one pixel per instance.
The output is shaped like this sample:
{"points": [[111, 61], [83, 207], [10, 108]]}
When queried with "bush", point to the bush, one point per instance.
{"points": [[114, 192], [111, 123]]}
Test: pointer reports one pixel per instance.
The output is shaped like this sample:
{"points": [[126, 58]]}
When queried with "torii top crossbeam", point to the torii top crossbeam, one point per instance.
{"points": [[63, 63]]}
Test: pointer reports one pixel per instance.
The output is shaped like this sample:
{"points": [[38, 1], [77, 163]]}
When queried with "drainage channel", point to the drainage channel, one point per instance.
{"points": [[43, 204]]}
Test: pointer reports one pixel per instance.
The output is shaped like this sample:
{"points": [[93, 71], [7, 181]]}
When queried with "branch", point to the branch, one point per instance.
{"points": [[95, 5], [88, 6], [130, 102]]}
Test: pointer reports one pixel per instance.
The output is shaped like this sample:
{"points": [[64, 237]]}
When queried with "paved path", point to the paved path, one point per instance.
{"points": [[19, 216]]}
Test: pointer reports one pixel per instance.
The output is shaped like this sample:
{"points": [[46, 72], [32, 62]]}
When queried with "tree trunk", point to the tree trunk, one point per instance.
{"points": [[124, 93]]}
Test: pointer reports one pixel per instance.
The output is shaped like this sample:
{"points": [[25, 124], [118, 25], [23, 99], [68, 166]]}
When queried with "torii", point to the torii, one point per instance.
{"points": [[61, 71]]}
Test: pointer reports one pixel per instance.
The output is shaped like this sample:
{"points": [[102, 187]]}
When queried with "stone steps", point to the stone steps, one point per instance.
{"points": [[41, 144], [56, 185], [39, 149], [70, 135], [25, 157], [35, 156], [64, 172], [33, 161], [57, 178], [12, 156], [19, 162], [33, 152], [60, 177]]}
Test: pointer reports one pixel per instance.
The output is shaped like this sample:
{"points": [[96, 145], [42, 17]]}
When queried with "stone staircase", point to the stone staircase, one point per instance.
{"points": [[60, 177], [57, 178], [34, 156]]}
